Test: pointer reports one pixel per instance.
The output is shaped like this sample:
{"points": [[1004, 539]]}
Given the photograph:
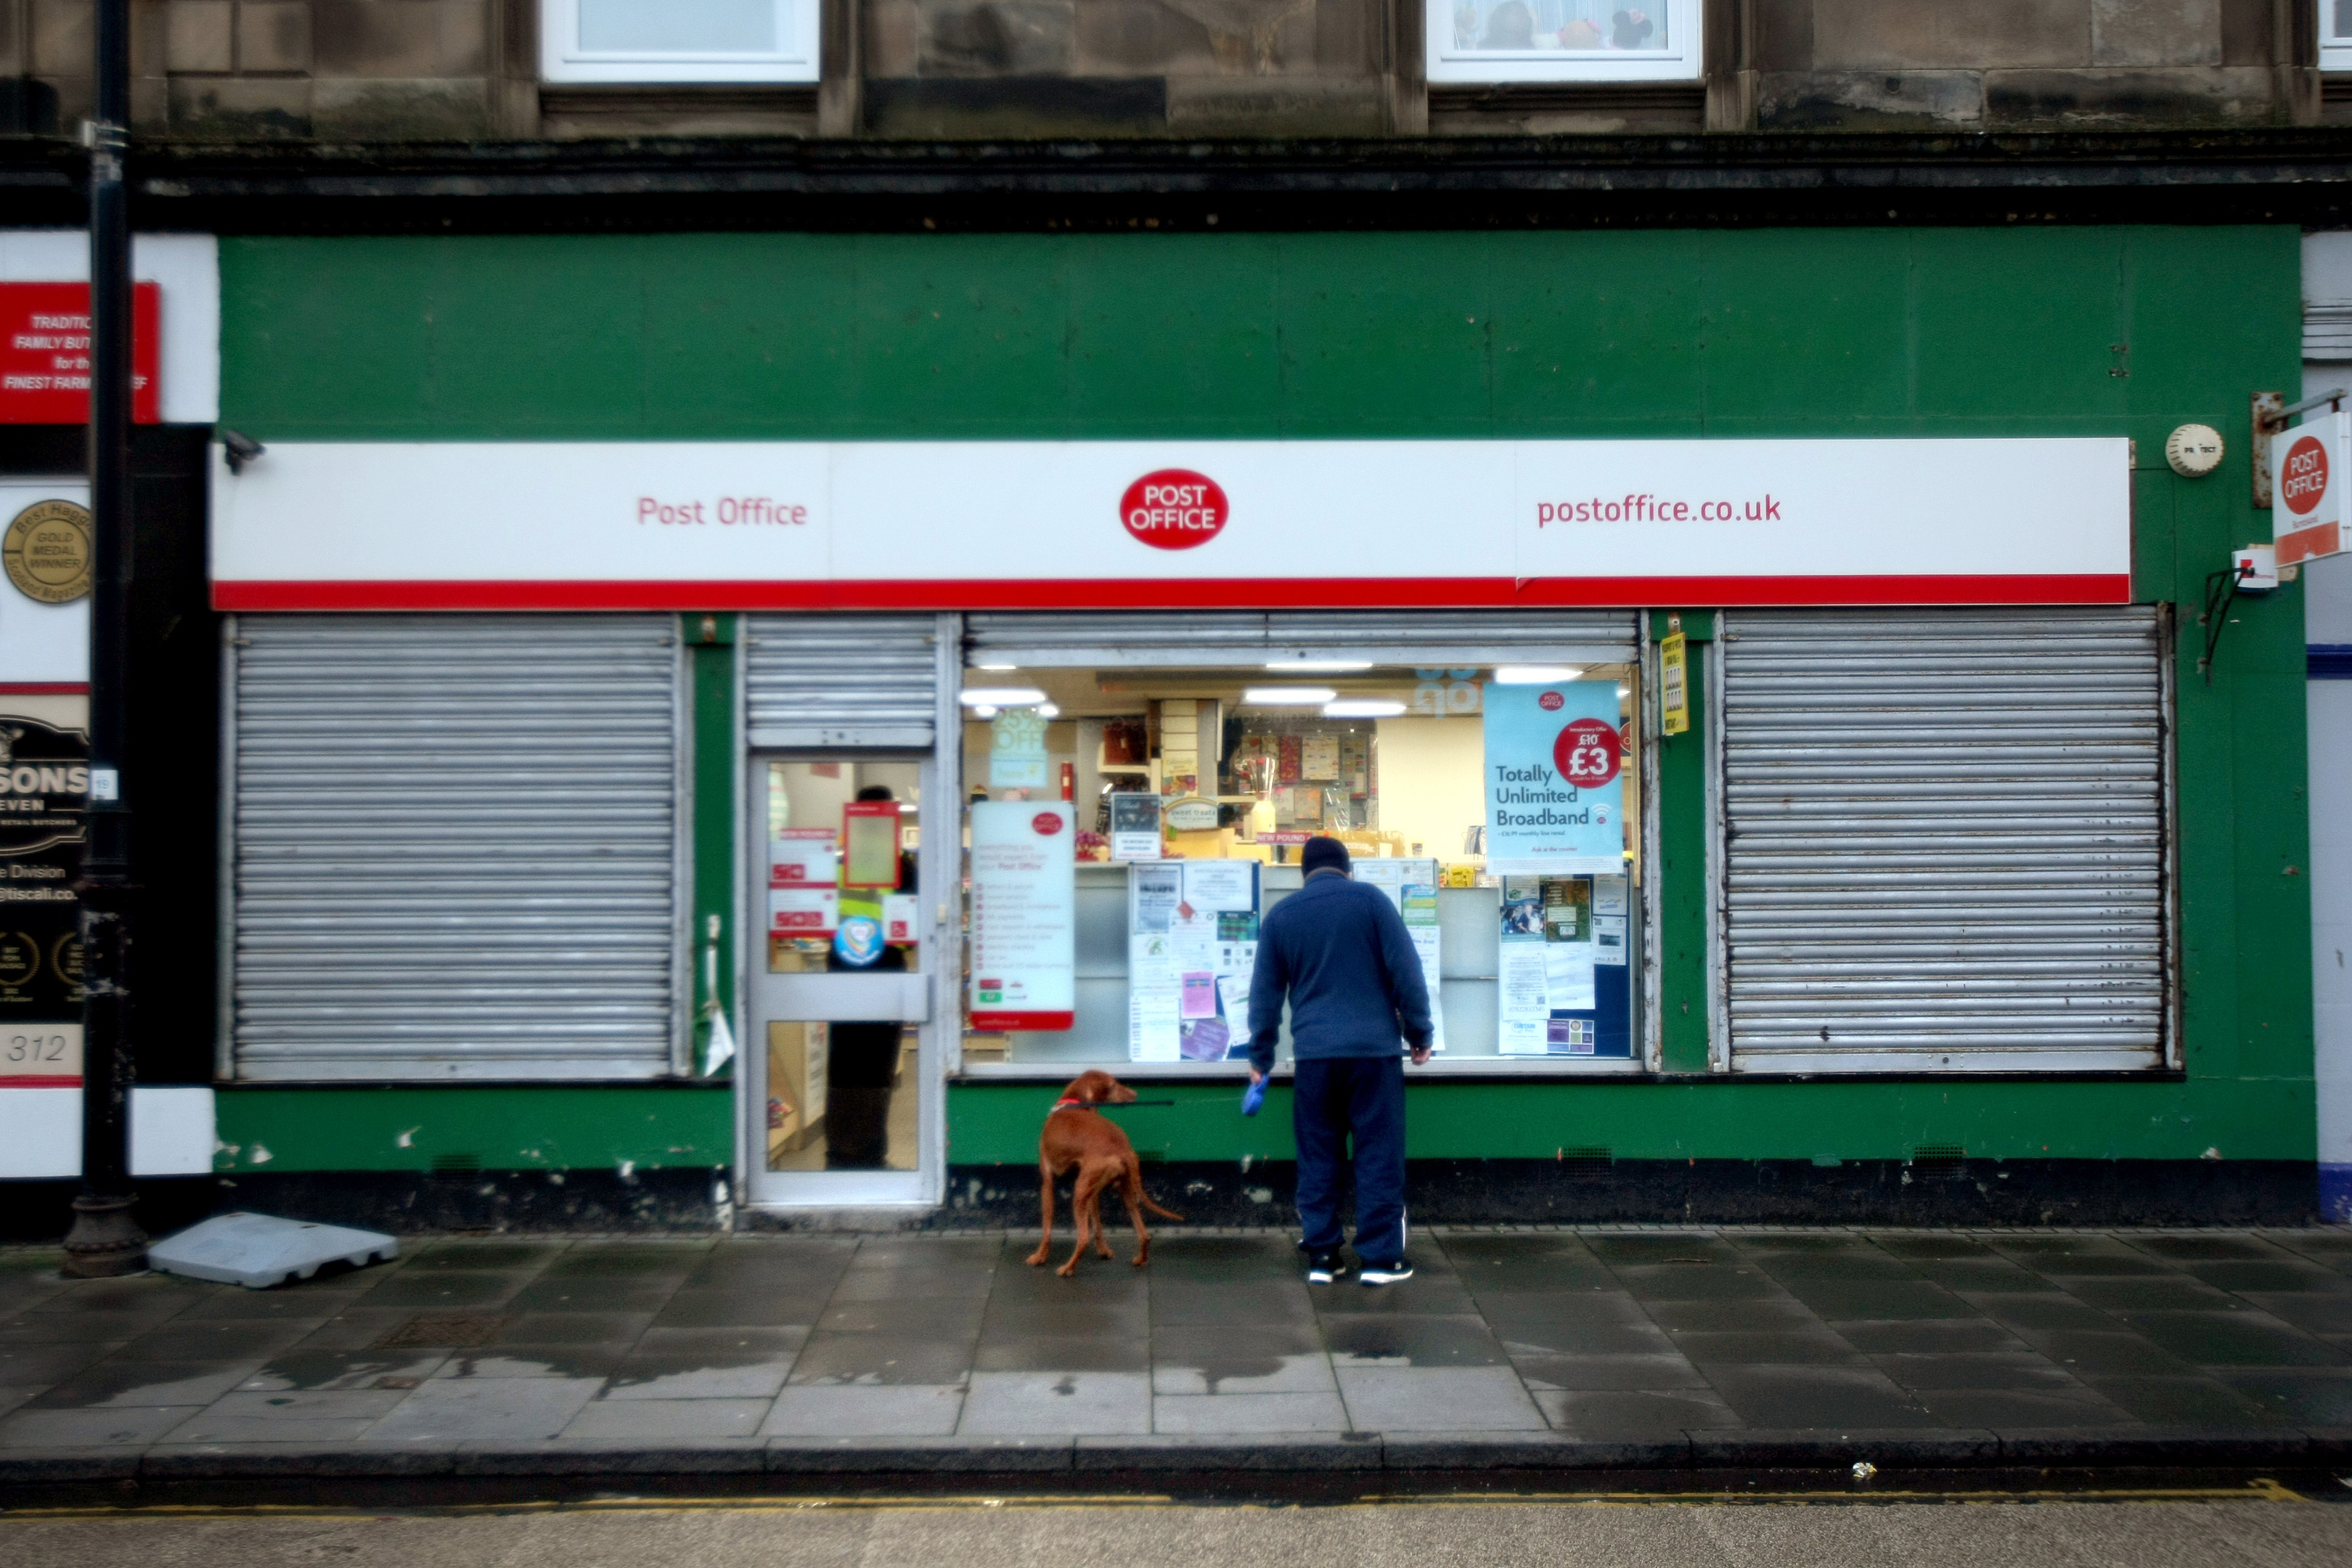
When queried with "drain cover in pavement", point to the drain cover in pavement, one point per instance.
{"points": [[443, 1330]]}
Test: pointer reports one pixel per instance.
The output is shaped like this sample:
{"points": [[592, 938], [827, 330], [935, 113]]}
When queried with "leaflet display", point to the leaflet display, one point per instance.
{"points": [[1191, 944]]}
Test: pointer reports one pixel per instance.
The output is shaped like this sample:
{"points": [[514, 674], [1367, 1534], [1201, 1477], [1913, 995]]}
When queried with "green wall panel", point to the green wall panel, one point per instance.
{"points": [[500, 1126], [1849, 332], [1771, 1120], [1852, 332]]}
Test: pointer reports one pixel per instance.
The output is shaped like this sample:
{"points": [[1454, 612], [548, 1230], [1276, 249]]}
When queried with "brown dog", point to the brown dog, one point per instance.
{"points": [[1077, 1137]]}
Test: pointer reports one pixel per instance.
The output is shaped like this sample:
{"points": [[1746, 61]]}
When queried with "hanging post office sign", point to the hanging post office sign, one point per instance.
{"points": [[1172, 524], [2308, 473]]}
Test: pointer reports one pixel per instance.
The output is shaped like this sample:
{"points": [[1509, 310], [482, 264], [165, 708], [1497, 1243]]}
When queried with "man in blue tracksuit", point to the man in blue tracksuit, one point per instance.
{"points": [[1340, 950]]}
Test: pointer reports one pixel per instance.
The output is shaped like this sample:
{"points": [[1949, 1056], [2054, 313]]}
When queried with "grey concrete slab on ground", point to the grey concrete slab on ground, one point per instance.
{"points": [[1590, 1347]]}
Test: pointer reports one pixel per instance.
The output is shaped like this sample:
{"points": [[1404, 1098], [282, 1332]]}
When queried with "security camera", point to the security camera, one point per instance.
{"points": [[241, 449]]}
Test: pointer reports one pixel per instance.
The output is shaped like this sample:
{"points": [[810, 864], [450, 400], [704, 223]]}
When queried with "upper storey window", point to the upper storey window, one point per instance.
{"points": [[1566, 40], [679, 40], [2335, 34]]}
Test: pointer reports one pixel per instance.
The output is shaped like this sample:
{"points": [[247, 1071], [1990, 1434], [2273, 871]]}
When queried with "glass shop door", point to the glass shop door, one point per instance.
{"points": [[841, 1077]]}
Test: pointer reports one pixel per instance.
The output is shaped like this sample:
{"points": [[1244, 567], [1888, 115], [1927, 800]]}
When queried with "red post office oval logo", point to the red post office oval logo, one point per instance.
{"points": [[1047, 823], [1174, 509], [2303, 477], [1551, 702], [1586, 752]]}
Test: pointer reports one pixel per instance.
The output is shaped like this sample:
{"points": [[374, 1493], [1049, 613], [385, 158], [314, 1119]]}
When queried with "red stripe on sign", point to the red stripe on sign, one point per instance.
{"points": [[1024, 1020], [2307, 545], [1137, 593], [43, 689], [40, 1080]]}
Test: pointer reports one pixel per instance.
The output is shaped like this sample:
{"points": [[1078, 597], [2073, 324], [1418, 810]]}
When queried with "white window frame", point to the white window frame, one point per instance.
{"points": [[2335, 48], [1684, 62], [561, 58]]}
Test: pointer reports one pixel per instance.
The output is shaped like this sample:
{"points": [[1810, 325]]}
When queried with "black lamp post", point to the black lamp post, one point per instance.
{"points": [[105, 1238]]}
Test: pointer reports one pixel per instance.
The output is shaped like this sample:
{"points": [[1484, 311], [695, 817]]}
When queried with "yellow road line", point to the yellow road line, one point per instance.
{"points": [[2259, 1490]]}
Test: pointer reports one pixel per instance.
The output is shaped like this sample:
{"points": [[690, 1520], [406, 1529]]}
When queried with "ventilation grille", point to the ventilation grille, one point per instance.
{"points": [[2327, 330], [1644, 101], [444, 1330], [1937, 1155]]}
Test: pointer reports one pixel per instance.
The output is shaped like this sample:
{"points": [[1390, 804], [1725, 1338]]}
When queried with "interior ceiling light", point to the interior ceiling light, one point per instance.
{"points": [[1363, 707], [1535, 674], [1287, 696], [998, 668], [982, 710], [1049, 710], [1283, 663], [1000, 697]]}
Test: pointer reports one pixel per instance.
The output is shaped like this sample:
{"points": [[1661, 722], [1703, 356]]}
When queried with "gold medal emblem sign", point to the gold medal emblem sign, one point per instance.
{"points": [[47, 551]]}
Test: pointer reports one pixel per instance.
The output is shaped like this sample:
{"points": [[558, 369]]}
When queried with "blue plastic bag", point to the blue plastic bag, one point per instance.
{"points": [[1254, 1097]]}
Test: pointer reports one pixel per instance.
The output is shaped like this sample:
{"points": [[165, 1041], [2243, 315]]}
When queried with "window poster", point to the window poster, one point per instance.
{"points": [[45, 779], [1192, 946], [1135, 826], [1318, 757], [1554, 793], [1411, 885], [1023, 915], [1153, 992], [1016, 750], [805, 856]]}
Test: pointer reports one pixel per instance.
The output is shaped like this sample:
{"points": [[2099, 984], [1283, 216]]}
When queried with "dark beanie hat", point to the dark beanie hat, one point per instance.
{"points": [[1322, 853]]}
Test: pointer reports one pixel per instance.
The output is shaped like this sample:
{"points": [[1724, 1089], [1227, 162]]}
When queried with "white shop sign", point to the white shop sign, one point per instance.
{"points": [[1172, 524]]}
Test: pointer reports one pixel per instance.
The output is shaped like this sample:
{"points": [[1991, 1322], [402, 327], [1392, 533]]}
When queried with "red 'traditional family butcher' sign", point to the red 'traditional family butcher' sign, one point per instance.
{"points": [[45, 353]]}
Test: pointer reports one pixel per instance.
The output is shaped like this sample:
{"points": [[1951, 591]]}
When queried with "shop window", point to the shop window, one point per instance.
{"points": [[1565, 40], [1191, 793], [679, 40], [2334, 34]]}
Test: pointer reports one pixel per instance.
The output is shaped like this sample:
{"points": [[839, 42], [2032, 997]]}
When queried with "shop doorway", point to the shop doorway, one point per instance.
{"points": [[842, 1073]]}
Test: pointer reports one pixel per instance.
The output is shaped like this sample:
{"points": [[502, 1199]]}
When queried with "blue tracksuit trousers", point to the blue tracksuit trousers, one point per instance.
{"points": [[1331, 1098]]}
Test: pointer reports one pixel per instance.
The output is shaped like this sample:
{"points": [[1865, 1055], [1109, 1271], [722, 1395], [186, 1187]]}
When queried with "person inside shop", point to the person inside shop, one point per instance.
{"points": [[1338, 952], [862, 1060]]}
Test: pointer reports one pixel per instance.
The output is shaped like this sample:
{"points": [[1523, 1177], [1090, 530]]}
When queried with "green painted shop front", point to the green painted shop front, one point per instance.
{"points": [[2109, 332]]}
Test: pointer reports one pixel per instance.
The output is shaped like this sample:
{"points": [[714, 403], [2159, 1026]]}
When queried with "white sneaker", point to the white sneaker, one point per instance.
{"points": [[1393, 1272]]}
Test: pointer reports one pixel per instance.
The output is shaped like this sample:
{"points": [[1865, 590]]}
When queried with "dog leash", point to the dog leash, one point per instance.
{"points": [[1107, 1105]]}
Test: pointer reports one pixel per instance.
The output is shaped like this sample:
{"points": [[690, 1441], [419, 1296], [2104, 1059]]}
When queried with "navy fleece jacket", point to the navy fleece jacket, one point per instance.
{"points": [[1340, 950]]}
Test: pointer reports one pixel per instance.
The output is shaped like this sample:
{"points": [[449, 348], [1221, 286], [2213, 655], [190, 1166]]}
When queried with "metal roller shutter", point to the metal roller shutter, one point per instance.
{"points": [[823, 679], [1944, 840], [1221, 637], [457, 847]]}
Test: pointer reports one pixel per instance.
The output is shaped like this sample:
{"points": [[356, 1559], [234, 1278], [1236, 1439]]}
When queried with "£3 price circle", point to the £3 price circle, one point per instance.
{"points": [[1586, 752]]}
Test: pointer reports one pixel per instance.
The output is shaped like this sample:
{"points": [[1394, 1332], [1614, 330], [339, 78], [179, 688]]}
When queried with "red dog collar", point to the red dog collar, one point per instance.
{"points": [[1066, 1104]]}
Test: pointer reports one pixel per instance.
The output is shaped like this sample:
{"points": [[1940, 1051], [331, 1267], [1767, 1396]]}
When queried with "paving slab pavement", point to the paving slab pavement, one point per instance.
{"points": [[1580, 1348]]}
